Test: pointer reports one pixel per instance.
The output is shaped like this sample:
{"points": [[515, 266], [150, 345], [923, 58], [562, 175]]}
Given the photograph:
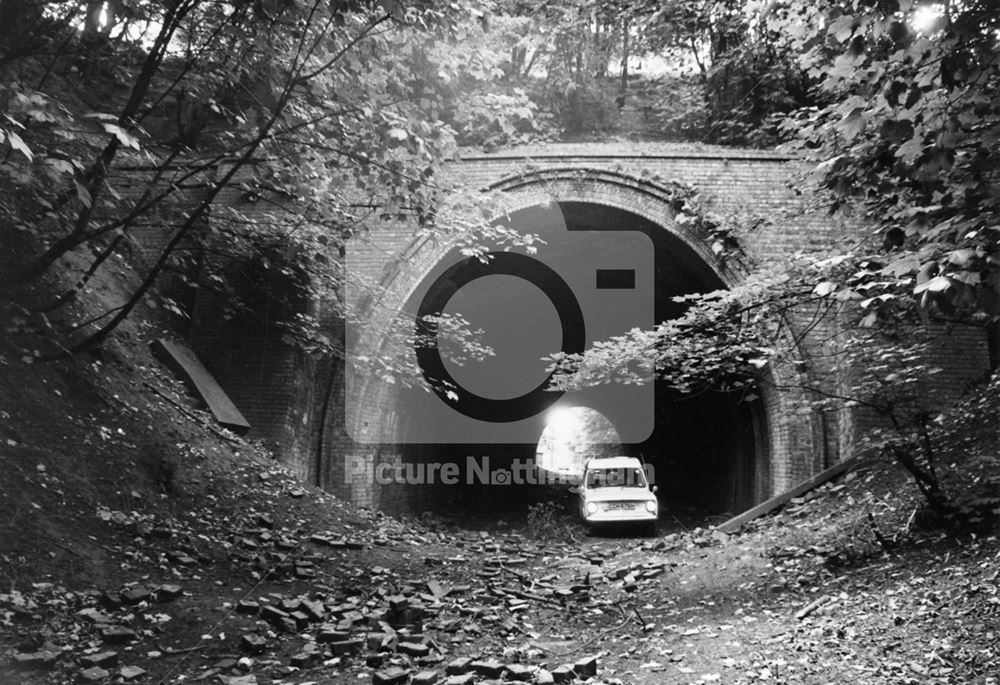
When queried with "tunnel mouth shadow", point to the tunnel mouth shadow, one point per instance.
{"points": [[710, 450]]}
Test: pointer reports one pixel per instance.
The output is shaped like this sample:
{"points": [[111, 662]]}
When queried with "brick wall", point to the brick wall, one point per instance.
{"points": [[635, 178], [284, 394]]}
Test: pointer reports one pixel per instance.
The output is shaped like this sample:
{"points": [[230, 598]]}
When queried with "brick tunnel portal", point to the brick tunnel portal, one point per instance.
{"points": [[708, 450]]}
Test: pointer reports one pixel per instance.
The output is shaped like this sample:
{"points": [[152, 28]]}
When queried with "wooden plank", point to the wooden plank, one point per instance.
{"points": [[766, 507], [183, 362]]}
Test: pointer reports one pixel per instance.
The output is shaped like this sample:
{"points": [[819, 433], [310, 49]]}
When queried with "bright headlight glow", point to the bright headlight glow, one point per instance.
{"points": [[651, 506], [591, 507]]}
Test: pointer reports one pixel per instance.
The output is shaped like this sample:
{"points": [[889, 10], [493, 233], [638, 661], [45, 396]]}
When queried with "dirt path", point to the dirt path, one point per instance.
{"points": [[280, 584]]}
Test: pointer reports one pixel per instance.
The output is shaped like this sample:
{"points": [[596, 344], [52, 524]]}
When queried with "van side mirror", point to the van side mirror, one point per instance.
{"points": [[653, 488]]}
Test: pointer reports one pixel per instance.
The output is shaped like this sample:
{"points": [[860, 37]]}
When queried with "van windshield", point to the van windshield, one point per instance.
{"points": [[616, 478]]}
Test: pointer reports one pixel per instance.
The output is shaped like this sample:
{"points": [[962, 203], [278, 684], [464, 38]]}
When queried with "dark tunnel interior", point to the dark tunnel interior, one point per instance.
{"points": [[708, 451]]}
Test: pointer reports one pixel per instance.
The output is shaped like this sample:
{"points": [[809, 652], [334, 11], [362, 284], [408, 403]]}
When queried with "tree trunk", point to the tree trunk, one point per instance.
{"points": [[623, 77]]}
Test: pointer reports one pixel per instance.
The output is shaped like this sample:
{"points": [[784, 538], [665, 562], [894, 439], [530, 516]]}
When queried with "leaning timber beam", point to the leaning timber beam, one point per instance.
{"points": [[766, 507]]}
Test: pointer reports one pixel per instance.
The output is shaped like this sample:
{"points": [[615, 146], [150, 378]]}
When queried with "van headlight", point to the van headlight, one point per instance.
{"points": [[591, 507], [651, 506]]}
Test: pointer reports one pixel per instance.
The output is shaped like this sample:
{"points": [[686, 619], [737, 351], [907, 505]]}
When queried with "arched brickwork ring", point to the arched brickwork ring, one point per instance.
{"points": [[450, 282]]}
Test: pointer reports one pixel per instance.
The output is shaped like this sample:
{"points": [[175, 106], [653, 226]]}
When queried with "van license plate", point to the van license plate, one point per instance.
{"points": [[613, 506]]}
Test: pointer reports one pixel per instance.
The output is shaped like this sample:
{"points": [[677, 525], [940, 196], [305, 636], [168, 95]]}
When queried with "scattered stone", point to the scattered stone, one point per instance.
{"points": [[226, 664], [110, 600], [253, 643], [117, 634], [563, 674], [94, 616], [131, 672], [459, 665], [94, 674], [519, 672], [391, 676], [341, 647], [491, 668], [463, 679], [425, 678], [238, 680], [331, 634], [586, 667], [543, 677], [415, 649], [342, 609], [167, 593], [181, 559], [136, 595], [108, 658], [273, 614], [36, 659], [314, 610], [303, 659], [375, 640], [247, 606], [300, 618], [399, 603]]}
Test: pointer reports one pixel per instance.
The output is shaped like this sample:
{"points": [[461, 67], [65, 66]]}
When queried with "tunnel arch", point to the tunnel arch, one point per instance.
{"points": [[767, 429]]}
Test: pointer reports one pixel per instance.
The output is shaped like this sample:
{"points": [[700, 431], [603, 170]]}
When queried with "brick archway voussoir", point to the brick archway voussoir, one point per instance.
{"points": [[648, 199]]}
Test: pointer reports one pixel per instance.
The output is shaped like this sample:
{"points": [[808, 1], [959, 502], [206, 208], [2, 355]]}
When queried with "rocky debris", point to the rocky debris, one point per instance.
{"points": [[490, 668], [128, 673], [136, 595], [464, 679], [39, 659], [248, 606], [391, 676], [103, 659], [415, 649], [563, 673], [94, 674], [395, 601], [118, 634], [303, 659], [369, 619], [425, 678], [459, 665], [252, 643], [94, 616], [342, 647], [586, 667], [167, 592], [519, 672]]}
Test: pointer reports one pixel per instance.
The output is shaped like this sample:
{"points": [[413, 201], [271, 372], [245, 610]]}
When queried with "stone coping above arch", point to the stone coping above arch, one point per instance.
{"points": [[627, 150]]}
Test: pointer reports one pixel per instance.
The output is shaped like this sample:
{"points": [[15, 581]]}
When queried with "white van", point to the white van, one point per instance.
{"points": [[615, 490]]}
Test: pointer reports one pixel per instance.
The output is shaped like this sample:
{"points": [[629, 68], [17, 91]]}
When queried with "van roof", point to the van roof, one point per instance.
{"points": [[613, 463]]}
